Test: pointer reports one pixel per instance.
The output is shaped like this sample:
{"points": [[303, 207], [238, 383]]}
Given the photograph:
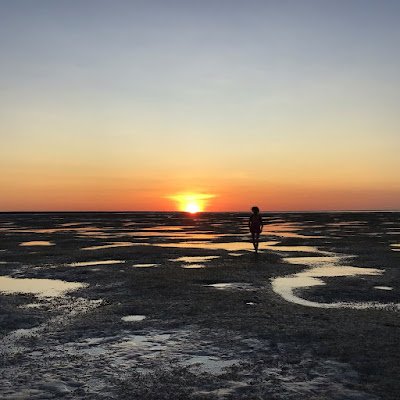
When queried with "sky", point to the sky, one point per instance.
{"points": [[133, 105]]}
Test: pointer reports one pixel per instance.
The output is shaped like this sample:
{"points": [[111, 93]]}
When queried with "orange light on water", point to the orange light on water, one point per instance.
{"points": [[191, 202]]}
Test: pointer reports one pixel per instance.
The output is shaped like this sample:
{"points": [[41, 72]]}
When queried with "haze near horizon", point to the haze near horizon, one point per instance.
{"points": [[134, 105]]}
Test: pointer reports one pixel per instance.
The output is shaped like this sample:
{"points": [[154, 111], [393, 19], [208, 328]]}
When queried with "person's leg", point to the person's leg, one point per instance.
{"points": [[257, 240], [257, 237], [253, 239]]}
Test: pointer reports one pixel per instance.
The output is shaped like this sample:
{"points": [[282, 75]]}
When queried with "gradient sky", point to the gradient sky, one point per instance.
{"points": [[122, 105]]}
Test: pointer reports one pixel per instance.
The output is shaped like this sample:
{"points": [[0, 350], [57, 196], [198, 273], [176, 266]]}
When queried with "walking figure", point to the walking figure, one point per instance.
{"points": [[255, 226]]}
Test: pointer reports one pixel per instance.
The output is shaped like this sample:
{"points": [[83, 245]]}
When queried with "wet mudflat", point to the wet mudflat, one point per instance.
{"points": [[173, 306]]}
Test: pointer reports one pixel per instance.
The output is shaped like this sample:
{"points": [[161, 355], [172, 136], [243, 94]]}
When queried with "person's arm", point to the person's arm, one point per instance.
{"points": [[261, 224], [250, 222]]}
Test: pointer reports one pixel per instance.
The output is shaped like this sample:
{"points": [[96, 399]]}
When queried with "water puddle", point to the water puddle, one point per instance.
{"points": [[195, 259], [164, 228], [396, 247], [68, 224], [133, 318], [129, 223], [300, 249], [314, 261], [295, 235], [38, 287], [176, 235], [282, 227], [90, 263], [288, 286], [288, 230], [37, 243], [83, 230], [383, 287], [232, 285], [109, 246], [322, 267], [149, 343], [228, 246], [210, 364], [347, 223], [193, 266], [145, 265]]}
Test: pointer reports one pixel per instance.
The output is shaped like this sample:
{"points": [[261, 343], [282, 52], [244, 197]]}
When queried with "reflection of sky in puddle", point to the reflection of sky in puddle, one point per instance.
{"points": [[133, 318], [289, 230], [83, 230], [109, 246], [97, 235], [164, 228], [383, 287], [393, 232], [195, 259], [75, 223], [193, 266], [37, 243], [396, 247], [175, 235], [90, 263], [38, 287], [313, 261], [303, 249], [287, 285], [229, 246], [231, 285], [284, 227], [210, 364], [294, 235], [347, 223], [145, 265]]}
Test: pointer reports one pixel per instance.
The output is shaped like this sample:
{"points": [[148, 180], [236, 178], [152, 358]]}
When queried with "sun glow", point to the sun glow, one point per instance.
{"points": [[192, 208], [191, 202]]}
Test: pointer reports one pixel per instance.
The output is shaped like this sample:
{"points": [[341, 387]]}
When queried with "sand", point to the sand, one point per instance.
{"points": [[136, 320]]}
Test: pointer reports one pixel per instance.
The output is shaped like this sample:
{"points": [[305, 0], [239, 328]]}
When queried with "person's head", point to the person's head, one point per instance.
{"points": [[255, 210]]}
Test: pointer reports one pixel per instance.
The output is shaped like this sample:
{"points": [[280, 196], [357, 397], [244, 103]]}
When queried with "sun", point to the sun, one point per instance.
{"points": [[192, 208], [191, 202]]}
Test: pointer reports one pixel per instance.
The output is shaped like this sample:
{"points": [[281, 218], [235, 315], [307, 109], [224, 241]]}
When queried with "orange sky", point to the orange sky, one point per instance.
{"points": [[287, 108], [50, 191]]}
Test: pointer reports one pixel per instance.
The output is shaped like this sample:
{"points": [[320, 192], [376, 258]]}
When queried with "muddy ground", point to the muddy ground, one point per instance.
{"points": [[165, 331]]}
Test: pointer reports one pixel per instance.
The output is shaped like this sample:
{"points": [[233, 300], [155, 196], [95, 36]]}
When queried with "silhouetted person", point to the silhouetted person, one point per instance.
{"points": [[255, 226]]}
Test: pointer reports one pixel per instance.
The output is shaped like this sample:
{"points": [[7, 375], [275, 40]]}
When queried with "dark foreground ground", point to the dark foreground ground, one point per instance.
{"points": [[187, 339]]}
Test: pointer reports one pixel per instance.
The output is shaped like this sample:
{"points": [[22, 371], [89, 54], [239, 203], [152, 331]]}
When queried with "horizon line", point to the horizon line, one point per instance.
{"points": [[199, 212]]}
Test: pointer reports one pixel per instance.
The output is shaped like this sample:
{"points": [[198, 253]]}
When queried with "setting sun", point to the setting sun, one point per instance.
{"points": [[192, 208], [191, 202]]}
